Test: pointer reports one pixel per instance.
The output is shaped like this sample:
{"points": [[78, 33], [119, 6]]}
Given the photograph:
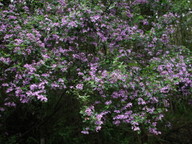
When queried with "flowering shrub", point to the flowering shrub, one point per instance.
{"points": [[114, 58]]}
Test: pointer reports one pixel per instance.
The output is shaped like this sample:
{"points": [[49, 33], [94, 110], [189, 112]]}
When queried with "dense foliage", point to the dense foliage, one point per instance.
{"points": [[117, 63]]}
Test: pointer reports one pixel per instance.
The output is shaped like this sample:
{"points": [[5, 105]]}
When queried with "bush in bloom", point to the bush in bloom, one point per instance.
{"points": [[113, 57]]}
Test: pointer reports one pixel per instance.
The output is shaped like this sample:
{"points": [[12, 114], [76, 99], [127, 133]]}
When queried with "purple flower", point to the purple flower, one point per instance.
{"points": [[80, 73], [12, 17], [62, 2], [165, 38], [145, 22], [2, 109], [98, 128], [116, 122], [5, 84], [117, 111], [85, 132], [79, 86], [54, 85], [141, 101], [108, 102], [95, 18], [72, 24], [33, 86], [42, 98], [154, 131], [9, 90], [99, 116], [10, 104], [99, 122], [135, 128], [165, 89], [88, 111], [29, 67]]}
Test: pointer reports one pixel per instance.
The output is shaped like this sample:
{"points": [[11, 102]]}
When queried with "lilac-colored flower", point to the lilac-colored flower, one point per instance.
{"points": [[85, 132], [29, 67], [145, 22], [60, 80], [108, 102], [2, 109], [117, 111], [9, 90], [99, 122], [45, 56], [7, 36], [150, 110], [12, 17], [154, 131], [95, 18], [45, 75], [99, 116], [33, 86], [98, 128], [160, 117], [116, 122], [141, 101], [10, 104], [54, 85], [72, 24], [165, 89], [79, 86], [154, 99], [5, 84], [135, 128], [80, 73], [89, 111], [128, 105], [165, 38]]}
